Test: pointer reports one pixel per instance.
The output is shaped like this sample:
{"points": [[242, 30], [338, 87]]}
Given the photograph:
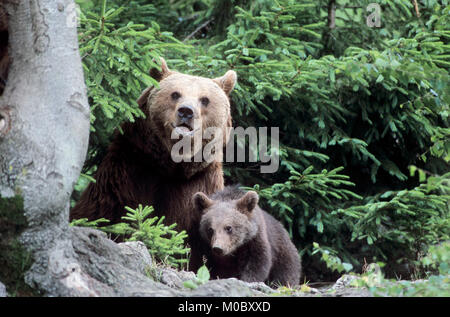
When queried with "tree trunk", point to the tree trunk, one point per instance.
{"points": [[44, 130]]}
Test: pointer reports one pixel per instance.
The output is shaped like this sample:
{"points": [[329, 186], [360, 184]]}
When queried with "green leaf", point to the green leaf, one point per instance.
{"points": [[203, 274], [190, 284], [347, 266]]}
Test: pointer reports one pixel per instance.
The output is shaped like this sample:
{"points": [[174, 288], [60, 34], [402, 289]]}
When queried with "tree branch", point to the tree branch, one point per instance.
{"points": [[416, 7], [332, 14], [197, 30]]}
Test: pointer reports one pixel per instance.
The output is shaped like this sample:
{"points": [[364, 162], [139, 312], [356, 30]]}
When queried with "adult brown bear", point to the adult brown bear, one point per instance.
{"points": [[139, 169]]}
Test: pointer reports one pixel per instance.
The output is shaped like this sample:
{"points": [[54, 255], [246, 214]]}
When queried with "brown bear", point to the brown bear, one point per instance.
{"points": [[245, 241], [138, 167]]}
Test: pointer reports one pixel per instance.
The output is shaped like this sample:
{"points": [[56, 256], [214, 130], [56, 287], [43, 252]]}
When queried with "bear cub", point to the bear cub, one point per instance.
{"points": [[244, 241]]}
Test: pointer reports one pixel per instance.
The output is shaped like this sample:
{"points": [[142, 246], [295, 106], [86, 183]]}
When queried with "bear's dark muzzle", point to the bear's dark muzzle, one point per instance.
{"points": [[185, 112]]}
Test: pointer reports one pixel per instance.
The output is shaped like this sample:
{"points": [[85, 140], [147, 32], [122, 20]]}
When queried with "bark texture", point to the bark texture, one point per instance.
{"points": [[43, 142]]}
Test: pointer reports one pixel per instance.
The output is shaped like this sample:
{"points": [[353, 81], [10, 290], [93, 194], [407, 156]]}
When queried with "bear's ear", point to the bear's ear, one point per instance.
{"points": [[201, 201], [248, 202], [160, 74], [227, 81], [142, 100]]}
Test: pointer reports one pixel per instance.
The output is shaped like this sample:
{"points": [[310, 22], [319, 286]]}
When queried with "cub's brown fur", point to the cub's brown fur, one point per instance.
{"points": [[138, 168], [245, 241]]}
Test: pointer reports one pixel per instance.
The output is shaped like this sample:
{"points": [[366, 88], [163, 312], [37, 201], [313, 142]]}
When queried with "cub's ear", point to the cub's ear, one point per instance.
{"points": [[160, 74], [248, 202], [227, 81], [201, 201]]}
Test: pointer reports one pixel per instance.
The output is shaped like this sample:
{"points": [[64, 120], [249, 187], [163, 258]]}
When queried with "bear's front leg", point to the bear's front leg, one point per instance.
{"points": [[254, 272], [258, 266]]}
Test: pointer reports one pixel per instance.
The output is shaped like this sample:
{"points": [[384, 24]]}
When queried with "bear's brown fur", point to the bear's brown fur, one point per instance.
{"points": [[138, 168], [245, 241]]}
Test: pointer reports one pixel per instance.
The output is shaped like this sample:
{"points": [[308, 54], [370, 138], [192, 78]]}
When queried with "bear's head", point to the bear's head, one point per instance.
{"points": [[184, 106], [227, 225]]}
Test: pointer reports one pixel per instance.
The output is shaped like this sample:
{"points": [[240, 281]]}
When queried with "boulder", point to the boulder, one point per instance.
{"points": [[126, 269]]}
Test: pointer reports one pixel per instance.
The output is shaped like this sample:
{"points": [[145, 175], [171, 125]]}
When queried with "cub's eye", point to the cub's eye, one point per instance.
{"points": [[228, 229], [204, 101], [210, 232], [175, 95]]}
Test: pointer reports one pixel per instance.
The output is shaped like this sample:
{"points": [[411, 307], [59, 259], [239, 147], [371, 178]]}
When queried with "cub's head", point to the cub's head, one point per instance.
{"points": [[227, 225], [184, 106]]}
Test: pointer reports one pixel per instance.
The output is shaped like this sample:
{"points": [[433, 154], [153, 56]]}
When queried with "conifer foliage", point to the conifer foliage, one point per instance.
{"points": [[363, 111]]}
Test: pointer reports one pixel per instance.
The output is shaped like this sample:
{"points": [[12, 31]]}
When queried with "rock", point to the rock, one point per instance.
{"points": [[344, 281], [261, 287], [230, 287], [100, 267], [3, 292], [345, 287], [172, 278], [116, 269], [126, 269], [349, 292]]}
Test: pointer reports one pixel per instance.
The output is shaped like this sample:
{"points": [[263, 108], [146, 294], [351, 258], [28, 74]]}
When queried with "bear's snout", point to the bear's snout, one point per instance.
{"points": [[185, 112], [220, 245], [217, 250], [185, 115]]}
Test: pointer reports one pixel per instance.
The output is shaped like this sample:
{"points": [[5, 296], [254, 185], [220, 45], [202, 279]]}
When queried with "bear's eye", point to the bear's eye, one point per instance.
{"points": [[204, 101], [228, 229], [210, 232], [175, 95]]}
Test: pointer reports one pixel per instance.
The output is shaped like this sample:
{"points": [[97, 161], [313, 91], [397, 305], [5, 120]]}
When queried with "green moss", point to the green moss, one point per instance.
{"points": [[11, 210], [15, 260]]}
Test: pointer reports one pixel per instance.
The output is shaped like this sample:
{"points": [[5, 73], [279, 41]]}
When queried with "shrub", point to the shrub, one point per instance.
{"points": [[164, 244]]}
